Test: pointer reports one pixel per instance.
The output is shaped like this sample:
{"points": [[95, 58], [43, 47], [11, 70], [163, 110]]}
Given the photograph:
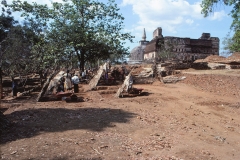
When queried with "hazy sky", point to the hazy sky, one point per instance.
{"points": [[180, 18]]}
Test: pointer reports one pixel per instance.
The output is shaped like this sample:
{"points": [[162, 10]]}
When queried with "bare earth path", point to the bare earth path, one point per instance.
{"points": [[194, 119]]}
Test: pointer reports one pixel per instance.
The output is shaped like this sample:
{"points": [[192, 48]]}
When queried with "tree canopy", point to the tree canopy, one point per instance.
{"points": [[231, 43], [15, 44], [87, 29]]}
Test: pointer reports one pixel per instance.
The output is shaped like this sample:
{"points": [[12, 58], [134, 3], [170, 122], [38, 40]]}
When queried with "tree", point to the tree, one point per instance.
{"points": [[21, 49], [89, 29], [6, 22], [165, 49], [231, 43]]}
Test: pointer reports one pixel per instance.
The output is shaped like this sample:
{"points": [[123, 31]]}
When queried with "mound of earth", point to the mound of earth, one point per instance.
{"points": [[211, 58], [234, 57]]}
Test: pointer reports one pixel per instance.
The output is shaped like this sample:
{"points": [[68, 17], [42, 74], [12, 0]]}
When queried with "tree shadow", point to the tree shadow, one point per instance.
{"points": [[33, 122], [126, 95]]}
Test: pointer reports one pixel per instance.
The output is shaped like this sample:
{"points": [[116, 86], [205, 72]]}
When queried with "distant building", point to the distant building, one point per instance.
{"points": [[137, 53], [185, 49]]}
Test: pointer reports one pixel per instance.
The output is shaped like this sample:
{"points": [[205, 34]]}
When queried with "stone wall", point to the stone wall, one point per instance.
{"points": [[183, 48]]}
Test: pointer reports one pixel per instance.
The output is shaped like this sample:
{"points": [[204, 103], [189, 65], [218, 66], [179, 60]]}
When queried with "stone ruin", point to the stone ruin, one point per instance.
{"points": [[182, 49]]}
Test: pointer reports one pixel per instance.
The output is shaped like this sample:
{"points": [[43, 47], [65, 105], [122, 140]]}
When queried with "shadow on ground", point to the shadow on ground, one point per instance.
{"points": [[32, 122], [134, 95]]}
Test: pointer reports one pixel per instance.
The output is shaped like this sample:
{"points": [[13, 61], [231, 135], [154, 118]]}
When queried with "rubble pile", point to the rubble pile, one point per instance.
{"points": [[144, 77], [137, 69], [235, 56], [212, 58], [233, 60], [218, 62]]}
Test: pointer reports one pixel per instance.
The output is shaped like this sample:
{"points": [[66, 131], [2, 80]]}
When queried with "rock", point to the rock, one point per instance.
{"points": [[14, 152]]}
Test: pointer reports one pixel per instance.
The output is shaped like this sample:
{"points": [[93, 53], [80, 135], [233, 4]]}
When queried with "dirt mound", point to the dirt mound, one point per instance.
{"points": [[234, 57], [211, 58], [214, 58]]}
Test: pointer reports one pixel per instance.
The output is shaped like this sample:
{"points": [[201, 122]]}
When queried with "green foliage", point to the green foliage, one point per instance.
{"points": [[236, 40], [232, 43], [88, 30], [23, 47], [208, 7], [165, 49], [16, 50]]}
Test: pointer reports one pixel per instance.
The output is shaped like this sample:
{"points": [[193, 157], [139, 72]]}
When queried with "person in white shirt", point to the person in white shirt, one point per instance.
{"points": [[83, 75], [75, 81]]}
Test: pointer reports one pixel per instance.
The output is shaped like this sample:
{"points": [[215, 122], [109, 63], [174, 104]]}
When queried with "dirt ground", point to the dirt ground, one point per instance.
{"points": [[197, 118]]}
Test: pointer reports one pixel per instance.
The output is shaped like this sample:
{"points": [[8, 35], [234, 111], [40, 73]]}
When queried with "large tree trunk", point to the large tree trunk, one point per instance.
{"points": [[78, 56], [82, 60]]}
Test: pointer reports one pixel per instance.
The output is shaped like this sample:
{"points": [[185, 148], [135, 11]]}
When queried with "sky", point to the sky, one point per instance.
{"points": [[178, 18]]}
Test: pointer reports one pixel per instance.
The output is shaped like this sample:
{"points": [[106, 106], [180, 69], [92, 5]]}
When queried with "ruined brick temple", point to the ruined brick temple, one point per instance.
{"points": [[185, 49]]}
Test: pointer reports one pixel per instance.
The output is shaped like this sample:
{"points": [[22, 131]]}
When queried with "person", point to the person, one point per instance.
{"points": [[130, 83], [83, 75], [75, 81], [73, 72], [86, 73], [68, 81], [61, 85], [123, 73], [41, 77], [14, 87], [106, 76]]}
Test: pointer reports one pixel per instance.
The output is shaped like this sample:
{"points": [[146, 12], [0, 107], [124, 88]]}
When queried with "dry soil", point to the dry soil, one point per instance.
{"points": [[197, 118]]}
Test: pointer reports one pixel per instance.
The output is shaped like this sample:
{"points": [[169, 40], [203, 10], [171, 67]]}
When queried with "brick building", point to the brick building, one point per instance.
{"points": [[185, 49]]}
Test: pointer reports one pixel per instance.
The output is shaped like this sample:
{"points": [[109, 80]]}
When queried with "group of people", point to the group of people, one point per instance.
{"points": [[66, 82], [87, 73]]}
